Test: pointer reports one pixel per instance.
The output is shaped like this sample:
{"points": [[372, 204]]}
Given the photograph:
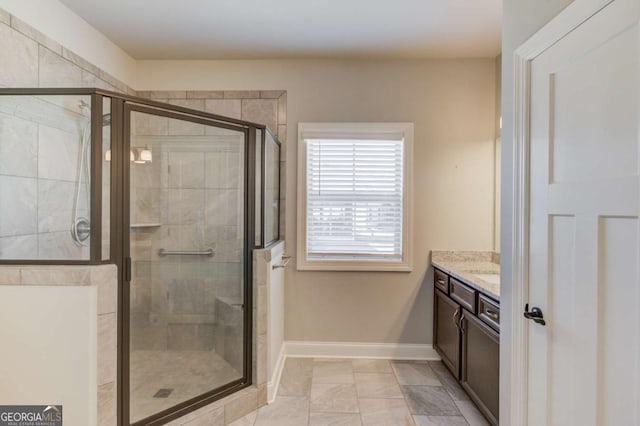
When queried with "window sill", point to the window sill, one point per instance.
{"points": [[362, 266]]}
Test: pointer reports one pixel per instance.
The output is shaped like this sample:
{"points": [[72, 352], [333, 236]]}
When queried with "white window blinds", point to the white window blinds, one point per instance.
{"points": [[355, 198]]}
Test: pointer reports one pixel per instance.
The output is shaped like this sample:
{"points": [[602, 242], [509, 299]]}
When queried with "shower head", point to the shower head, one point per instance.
{"points": [[85, 108]]}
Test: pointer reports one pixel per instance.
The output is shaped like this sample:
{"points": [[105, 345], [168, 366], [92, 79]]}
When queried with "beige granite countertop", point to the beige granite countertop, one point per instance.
{"points": [[478, 269]]}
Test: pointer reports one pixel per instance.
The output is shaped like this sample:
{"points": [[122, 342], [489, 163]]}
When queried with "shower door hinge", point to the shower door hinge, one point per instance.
{"points": [[127, 269]]}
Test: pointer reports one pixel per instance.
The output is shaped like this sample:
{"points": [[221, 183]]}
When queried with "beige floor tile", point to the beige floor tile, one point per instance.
{"points": [[440, 421], [384, 412], [334, 419], [296, 377], [247, 420], [333, 372], [430, 401], [371, 366], [471, 413], [284, 411], [377, 385], [448, 381], [410, 373], [334, 398]]}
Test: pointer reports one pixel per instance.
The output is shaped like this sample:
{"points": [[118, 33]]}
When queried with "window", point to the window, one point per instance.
{"points": [[354, 196]]}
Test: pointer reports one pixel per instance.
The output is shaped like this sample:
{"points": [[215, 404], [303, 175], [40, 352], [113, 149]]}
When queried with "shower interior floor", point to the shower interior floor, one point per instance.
{"points": [[186, 373]]}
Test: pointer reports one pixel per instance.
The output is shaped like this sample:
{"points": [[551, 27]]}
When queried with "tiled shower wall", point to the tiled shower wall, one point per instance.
{"points": [[189, 198], [267, 107], [39, 143]]}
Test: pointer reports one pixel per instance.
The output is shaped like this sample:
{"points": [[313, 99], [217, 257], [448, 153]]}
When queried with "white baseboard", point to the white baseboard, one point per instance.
{"points": [[297, 348], [274, 380]]}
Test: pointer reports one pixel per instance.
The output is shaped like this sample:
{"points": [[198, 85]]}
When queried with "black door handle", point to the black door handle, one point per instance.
{"points": [[535, 314]]}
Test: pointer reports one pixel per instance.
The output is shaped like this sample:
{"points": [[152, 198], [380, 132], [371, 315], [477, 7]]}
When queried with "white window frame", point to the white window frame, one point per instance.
{"points": [[355, 130]]}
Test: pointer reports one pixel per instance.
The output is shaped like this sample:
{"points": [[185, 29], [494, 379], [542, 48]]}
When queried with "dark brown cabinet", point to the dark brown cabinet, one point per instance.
{"points": [[466, 335], [446, 333], [480, 365]]}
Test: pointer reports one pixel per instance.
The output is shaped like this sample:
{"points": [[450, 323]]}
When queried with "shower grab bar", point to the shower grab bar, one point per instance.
{"points": [[209, 252], [285, 262]]}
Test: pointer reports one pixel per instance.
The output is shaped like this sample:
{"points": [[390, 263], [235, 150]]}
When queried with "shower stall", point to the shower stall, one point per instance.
{"points": [[177, 199]]}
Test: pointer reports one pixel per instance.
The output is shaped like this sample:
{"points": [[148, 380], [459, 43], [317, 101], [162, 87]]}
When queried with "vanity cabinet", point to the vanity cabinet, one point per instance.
{"points": [[466, 327], [480, 364], [446, 332]]}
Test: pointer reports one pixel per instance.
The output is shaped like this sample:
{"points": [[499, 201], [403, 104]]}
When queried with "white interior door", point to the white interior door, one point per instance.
{"points": [[584, 364]]}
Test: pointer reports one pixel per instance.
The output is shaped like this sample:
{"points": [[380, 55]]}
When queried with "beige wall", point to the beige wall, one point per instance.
{"points": [[451, 102], [520, 20]]}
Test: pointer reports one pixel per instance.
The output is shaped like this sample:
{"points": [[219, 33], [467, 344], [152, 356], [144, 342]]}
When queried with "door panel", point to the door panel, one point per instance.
{"points": [[187, 248], [584, 231]]}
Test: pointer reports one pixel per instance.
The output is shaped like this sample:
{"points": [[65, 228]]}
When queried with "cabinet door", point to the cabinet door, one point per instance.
{"points": [[446, 336], [480, 368]]}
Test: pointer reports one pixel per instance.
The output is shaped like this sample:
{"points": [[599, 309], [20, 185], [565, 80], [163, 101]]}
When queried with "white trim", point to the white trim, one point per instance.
{"points": [[274, 383], [309, 349], [566, 21], [406, 129]]}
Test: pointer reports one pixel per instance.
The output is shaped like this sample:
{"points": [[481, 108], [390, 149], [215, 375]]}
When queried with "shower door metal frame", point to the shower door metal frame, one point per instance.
{"points": [[202, 400], [121, 106]]}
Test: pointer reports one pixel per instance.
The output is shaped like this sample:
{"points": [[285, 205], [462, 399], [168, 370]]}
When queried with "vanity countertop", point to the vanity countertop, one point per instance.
{"points": [[478, 269]]}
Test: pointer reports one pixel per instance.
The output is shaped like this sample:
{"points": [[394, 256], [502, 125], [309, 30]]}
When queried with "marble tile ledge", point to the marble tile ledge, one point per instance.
{"points": [[478, 269]]}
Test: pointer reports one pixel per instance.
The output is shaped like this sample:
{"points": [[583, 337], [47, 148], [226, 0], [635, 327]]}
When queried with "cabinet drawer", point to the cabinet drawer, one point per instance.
{"points": [[489, 312], [463, 295], [441, 280]]}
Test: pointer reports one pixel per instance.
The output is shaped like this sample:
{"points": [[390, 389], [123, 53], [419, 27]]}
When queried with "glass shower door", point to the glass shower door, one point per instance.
{"points": [[187, 248]]}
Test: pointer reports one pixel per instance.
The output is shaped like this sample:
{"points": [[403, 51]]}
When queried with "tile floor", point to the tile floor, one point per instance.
{"points": [[186, 373], [322, 392]]}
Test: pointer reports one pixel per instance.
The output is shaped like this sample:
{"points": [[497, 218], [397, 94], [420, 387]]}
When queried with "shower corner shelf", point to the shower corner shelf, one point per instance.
{"points": [[145, 225]]}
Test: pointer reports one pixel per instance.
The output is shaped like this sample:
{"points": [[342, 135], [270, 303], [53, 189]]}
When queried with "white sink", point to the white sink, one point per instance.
{"points": [[490, 278]]}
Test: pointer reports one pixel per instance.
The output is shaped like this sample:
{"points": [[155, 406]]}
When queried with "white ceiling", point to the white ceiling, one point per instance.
{"points": [[265, 29]]}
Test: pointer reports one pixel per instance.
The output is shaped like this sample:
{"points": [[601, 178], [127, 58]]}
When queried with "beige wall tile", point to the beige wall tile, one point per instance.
{"points": [[282, 137], [107, 355], [204, 94], [55, 71], [105, 277], [212, 418], [271, 94], [107, 404], [92, 80], [247, 420], [79, 61], [9, 276], [243, 404], [5, 17], [19, 59], [261, 111], [262, 395], [225, 107], [18, 212], [168, 94], [282, 109], [36, 35], [241, 94], [55, 276], [120, 86]]}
